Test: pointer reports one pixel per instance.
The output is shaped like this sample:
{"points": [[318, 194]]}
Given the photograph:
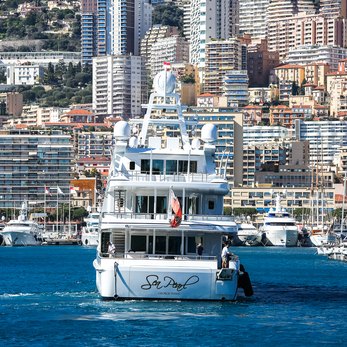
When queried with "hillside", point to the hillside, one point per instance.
{"points": [[28, 25]]}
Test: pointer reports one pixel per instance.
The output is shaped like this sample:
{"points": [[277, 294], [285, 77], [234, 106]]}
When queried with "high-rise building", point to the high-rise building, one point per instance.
{"points": [[253, 17], [32, 160], [280, 27], [260, 62], [207, 20], [155, 33], [221, 57], [122, 24], [88, 30], [336, 8], [119, 85], [174, 49]]}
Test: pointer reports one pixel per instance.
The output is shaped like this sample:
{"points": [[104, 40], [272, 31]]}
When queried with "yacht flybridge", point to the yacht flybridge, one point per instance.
{"points": [[163, 197]]}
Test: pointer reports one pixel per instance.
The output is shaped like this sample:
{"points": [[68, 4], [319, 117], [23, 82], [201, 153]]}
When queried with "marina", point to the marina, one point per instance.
{"points": [[50, 304]]}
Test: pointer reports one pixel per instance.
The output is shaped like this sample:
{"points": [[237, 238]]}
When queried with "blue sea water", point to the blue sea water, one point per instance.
{"points": [[48, 298]]}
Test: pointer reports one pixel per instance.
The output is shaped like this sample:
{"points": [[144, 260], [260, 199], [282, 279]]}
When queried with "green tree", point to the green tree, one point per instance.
{"points": [[168, 14], [188, 79]]}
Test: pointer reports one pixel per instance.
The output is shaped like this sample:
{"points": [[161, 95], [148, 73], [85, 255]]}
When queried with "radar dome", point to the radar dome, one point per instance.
{"points": [[121, 130], [209, 133], [159, 82]]}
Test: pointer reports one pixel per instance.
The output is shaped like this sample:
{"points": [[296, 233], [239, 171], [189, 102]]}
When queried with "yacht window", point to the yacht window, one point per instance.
{"points": [[161, 204], [160, 245], [132, 165], [138, 243], [183, 166], [174, 245], [171, 167], [145, 165], [105, 238], [191, 247], [158, 166], [211, 205], [192, 205], [144, 204]]}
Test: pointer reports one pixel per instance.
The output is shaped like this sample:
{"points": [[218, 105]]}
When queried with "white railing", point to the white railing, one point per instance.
{"points": [[139, 176], [164, 216]]}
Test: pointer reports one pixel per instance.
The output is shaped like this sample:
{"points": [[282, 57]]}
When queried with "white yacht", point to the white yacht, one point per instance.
{"points": [[163, 197], [90, 233], [21, 231], [247, 235], [280, 227]]}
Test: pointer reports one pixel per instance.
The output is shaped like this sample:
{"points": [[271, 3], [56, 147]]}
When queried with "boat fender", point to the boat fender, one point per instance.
{"points": [[244, 282]]}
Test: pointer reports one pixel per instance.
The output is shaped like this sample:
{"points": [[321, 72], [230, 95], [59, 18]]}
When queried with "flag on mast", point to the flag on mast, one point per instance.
{"points": [[176, 207], [47, 192], [167, 65], [59, 191], [72, 190]]}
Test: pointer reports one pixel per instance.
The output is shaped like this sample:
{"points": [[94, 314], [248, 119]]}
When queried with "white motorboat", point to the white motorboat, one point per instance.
{"points": [[90, 233], [247, 235], [21, 231], [280, 227], [163, 197]]}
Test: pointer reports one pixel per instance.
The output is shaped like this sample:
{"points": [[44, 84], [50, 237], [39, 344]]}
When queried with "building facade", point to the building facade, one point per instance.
{"points": [[31, 161], [119, 85]]}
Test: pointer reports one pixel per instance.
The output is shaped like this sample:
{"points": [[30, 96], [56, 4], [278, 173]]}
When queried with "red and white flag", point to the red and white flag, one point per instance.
{"points": [[47, 192], [176, 208], [72, 190], [167, 65]]}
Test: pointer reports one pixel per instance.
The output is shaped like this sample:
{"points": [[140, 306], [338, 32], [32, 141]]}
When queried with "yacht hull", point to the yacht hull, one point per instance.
{"points": [[89, 239], [281, 237], [18, 238], [174, 279]]}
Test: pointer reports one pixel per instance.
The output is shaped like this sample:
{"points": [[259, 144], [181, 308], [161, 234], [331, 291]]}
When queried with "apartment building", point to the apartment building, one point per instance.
{"points": [[153, 34], [173, 49], [260, 134], [89, 41], [119, 85], [221, 57], [253, 17], [24, 74], [325, 137], [235, 87], [317, 55], [30, 161]]}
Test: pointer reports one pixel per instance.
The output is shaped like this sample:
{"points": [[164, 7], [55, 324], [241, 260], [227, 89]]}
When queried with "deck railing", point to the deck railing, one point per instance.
{"points": [[142, 176], [165, 216]]}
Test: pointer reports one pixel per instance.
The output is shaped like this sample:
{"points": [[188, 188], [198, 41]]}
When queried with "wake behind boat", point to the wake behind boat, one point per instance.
{"points": [[280, 227], [163, 198], [21, 231]]}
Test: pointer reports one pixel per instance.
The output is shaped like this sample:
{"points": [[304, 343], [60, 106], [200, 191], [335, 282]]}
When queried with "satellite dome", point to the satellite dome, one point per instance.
{"points": [[121, 130], [209, 133], [159, 82]]}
